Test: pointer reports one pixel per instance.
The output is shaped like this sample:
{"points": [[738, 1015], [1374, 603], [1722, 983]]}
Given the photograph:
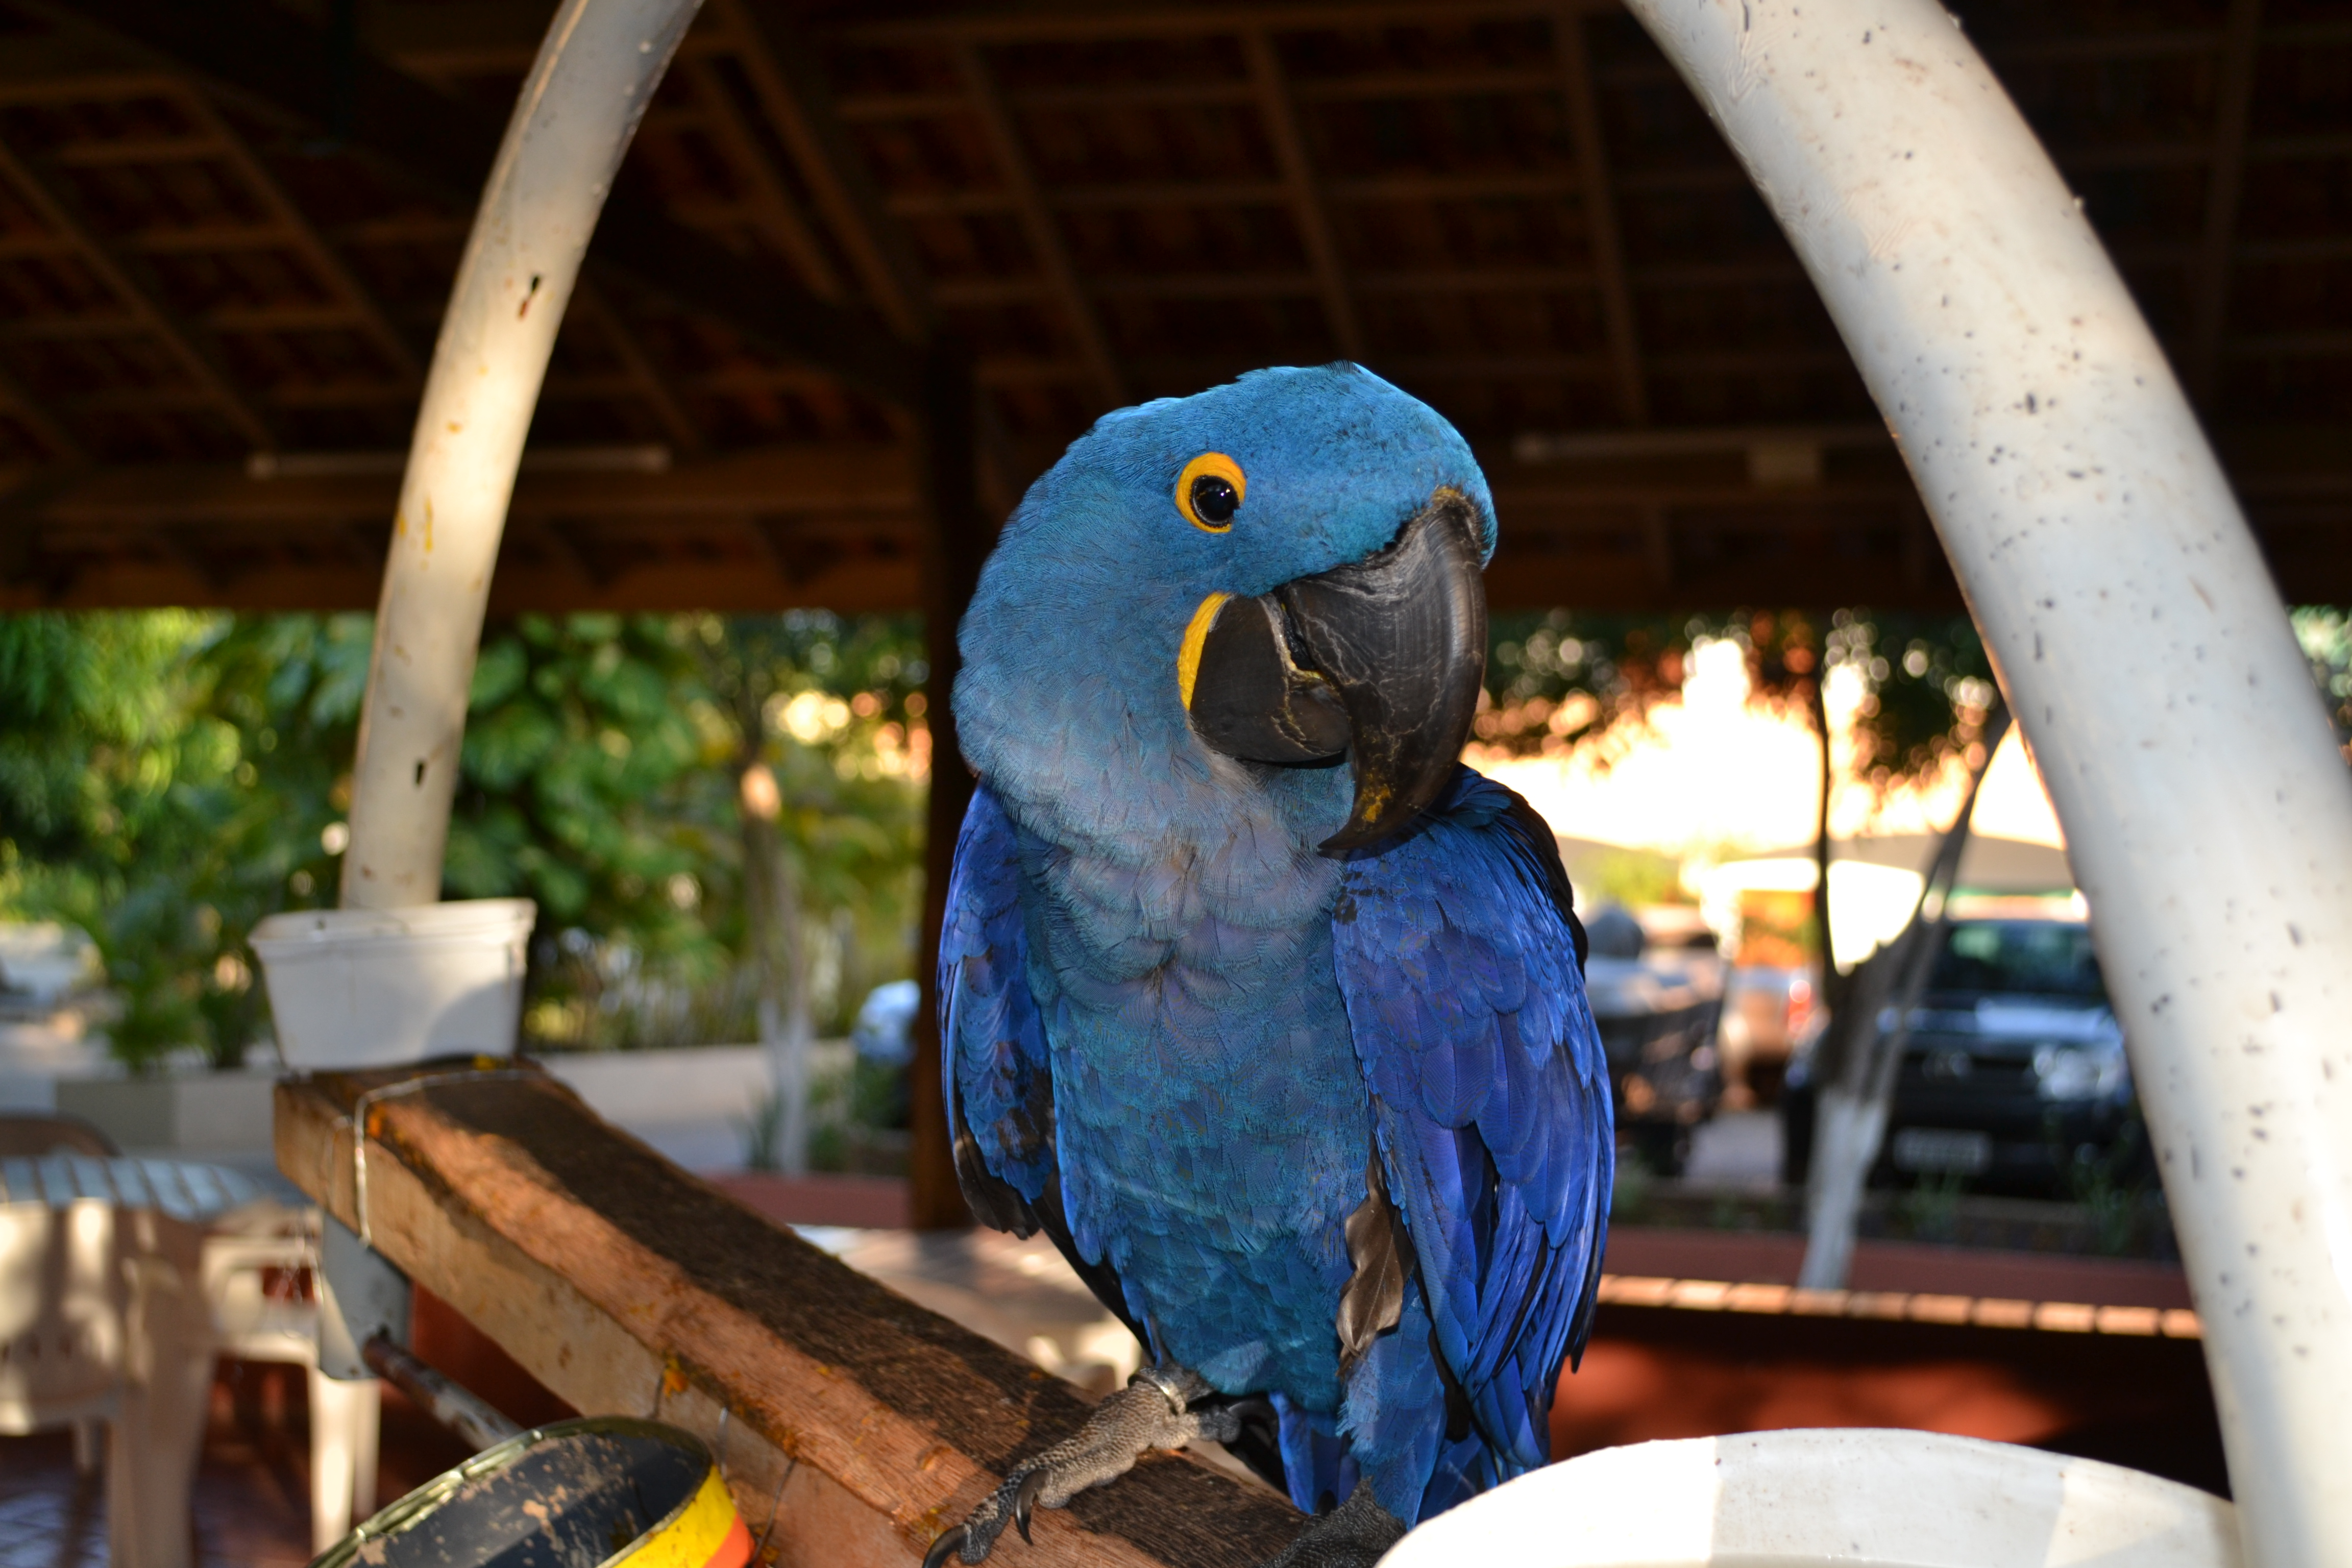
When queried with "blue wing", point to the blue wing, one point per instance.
{"points": [[1461, 963], [998, 1079]]}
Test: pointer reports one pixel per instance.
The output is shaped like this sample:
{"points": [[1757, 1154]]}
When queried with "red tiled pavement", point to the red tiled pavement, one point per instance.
{"points": [[251, 1506]]}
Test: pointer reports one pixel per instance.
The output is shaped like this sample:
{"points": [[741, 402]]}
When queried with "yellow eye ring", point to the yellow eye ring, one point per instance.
{"points": [[1210, 491]]}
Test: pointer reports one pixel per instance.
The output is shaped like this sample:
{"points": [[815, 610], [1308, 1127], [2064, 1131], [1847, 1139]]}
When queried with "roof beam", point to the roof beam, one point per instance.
{"points": [[870, 480], [781, 64], [1658, 546], [841, 580], [778, 211], [57, 209], [1281, 115], [31, 413], [1037, 220], [270, 56], [651, 383], [1181, 18], [1602, 239], [2225, 180], [375, 320]]}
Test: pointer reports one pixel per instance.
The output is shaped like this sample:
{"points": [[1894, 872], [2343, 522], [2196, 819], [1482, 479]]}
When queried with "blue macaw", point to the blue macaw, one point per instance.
{"points": [[1263, 1007]]}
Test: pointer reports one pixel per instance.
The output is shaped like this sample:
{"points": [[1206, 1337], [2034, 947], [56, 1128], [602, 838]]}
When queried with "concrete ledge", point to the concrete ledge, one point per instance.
{"points": [[194, 1113]]}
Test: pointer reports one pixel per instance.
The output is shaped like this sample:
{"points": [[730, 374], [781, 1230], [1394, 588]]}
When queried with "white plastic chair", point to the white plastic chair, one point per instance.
{"points": [[120, 1281], [254, 1319], [60, 1320], [98, 1324]]}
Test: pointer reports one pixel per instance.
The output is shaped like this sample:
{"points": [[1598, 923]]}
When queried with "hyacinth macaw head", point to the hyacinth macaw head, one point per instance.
{"points": [[1271, 587]]}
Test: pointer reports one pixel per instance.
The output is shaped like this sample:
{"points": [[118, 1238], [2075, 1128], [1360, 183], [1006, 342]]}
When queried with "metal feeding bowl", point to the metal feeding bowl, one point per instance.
{"points": [[598, 1492]]}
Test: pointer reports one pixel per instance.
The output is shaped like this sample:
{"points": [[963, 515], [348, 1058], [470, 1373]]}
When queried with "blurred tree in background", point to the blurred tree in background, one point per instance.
{"points": [[1556, 679], [119, 796], [168, 779], [2326, 633], [1559, 680]]}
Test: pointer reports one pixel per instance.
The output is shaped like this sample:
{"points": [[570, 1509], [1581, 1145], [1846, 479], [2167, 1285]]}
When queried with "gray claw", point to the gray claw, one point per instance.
{"points": [[1025, 1498], [950, 1543], [1153, 1412]]}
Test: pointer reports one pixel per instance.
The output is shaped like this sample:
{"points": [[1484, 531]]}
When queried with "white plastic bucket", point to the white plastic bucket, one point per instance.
{"points": [[377, 987]]}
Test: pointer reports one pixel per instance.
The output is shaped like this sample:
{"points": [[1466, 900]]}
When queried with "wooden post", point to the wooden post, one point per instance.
{"points": [[956, 542], [851, 1425]]}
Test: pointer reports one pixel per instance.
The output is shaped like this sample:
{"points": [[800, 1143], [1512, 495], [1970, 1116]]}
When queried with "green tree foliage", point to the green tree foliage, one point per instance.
{"points": [[575, 781], [2325, 632], [1556, 679], [832, 707], [169, 779], [121, 807]]}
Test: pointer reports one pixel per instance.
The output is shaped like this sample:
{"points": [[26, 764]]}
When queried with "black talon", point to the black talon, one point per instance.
{"points": [[1258, 1411], [1025, 1498], [950, 1543]]}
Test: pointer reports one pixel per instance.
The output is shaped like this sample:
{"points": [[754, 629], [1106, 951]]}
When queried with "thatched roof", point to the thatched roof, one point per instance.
{"points": [[224, 243]]}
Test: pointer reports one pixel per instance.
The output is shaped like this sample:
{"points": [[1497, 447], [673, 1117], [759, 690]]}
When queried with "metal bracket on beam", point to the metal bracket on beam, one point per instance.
{"points": [[361, 1296]]}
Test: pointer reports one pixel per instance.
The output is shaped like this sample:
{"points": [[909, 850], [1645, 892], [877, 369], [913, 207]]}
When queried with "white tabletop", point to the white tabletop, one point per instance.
{"points": [[186, 1190]]}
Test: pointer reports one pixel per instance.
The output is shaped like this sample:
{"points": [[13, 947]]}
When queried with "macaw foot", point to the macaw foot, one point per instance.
{"points": [[1356, 1534], [1161, 1407]]}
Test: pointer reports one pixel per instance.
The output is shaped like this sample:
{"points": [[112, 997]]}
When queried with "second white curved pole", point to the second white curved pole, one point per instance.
{"points": [[2142, 646]]}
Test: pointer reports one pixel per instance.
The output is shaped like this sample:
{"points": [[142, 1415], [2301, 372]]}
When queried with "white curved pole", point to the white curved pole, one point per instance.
{"points": [[2143, 648], [596, 71]]}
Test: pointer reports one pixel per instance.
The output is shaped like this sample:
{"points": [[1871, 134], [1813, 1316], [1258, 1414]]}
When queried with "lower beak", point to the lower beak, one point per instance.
{"points": [[1381, 660]]}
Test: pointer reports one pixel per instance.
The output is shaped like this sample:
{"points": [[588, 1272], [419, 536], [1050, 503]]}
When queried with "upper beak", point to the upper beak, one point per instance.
{"points": [[1381, 660]]}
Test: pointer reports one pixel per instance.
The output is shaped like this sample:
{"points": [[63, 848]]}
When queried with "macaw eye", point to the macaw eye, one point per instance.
{"points": [[1210, 491]]}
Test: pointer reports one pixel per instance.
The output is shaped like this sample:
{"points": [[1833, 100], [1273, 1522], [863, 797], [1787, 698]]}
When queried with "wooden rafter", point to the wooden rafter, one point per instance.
{"points": [[650, 382], [1029, 25], [553, 541], [2225, 179], [1606, 244], [1037, 222], [1658, 545], [57, 210], [295, 227], [781, 66], [268, 55], [29, 411], [777, 212], [1281, 115]]}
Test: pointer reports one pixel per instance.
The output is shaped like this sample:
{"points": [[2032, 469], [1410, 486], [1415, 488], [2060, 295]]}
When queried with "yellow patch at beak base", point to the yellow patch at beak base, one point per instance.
{"points": [[1196, 636]]}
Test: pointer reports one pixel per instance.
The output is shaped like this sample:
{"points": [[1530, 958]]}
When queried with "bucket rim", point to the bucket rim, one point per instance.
{"points": [[454, 918], [399, 1517]]}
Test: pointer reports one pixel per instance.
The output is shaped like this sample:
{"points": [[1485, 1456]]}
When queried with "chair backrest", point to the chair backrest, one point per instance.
{"points": [[28, 1135], [259, 1290], [61, 1301]]}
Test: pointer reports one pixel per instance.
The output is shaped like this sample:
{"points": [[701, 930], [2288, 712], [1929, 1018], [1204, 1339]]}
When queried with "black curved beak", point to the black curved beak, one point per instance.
{"points": [[1381, 660]]}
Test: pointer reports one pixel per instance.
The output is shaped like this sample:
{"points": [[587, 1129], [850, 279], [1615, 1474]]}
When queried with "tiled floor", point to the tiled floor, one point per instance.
{"points": [[252, 1493]]}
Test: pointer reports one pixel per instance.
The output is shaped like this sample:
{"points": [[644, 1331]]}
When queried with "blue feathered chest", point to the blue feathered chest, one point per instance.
{"points": [[1212, 1121]]}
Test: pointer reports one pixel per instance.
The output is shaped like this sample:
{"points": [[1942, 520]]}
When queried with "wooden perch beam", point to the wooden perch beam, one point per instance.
{"points": [[856, 1422]]}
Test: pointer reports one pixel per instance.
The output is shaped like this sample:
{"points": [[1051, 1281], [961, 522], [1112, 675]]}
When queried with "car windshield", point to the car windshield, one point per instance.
{"points": [[2020, 958]]}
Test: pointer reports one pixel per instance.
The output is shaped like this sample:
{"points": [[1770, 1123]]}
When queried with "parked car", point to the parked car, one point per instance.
{"points": [[1656, 1011], [2014, 1077]]}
